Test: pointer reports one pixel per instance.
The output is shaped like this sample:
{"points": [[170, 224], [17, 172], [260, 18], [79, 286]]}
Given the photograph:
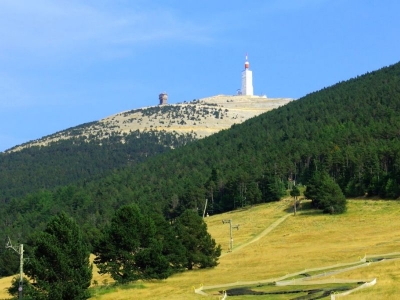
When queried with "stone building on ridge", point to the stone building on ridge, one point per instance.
{"points": [[163, 97]]}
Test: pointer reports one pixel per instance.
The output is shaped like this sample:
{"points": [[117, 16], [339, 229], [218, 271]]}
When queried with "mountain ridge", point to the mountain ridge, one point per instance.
{"points": [[200, 118]]}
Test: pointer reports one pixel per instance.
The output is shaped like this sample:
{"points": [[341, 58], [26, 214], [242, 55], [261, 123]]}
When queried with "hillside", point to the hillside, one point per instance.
{"points": [[95, 149], [350, 130], [199, 118], [288, 249]]}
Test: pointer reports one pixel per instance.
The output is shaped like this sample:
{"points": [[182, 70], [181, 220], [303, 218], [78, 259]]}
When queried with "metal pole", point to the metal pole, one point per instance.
{"points": [[237, 227], [20, 251], [205, 207], [21, 270], [230, 231]]}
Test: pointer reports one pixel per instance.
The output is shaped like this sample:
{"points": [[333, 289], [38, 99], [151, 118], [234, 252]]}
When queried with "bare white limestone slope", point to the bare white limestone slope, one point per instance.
{"points": [[200, 118]]}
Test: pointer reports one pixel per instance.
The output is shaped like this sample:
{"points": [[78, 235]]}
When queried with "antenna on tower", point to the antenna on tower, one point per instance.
{"points": [[246, 63]]}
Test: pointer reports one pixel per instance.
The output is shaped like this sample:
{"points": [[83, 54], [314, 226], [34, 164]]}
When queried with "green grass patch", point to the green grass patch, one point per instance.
{"points": [[102, 290], [132, 286], [98, 291]]}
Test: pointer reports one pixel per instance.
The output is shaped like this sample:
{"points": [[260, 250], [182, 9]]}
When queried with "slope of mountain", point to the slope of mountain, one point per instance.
{"points": [[199, 118], [351, 130], [94, 149]]}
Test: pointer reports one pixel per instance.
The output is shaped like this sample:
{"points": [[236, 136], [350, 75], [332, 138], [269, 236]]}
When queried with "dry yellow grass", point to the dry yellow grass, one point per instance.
{"points": [[4, 284], [100, 279], [308, 240]]}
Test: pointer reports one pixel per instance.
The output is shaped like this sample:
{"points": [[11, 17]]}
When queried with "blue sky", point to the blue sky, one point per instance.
{"points": [[64, 63]]}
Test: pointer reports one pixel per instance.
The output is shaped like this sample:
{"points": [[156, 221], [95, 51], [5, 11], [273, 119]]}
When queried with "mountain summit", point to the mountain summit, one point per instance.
{"points": [[127, 138], [198, 118]]}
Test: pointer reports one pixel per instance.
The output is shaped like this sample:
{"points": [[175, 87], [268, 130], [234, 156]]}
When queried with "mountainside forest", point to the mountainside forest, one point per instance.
{"points": [[349, 130], [94, 149], [68, 161]]}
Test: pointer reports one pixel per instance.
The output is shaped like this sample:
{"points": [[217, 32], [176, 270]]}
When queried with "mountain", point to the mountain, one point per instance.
{"points": [[94, 149], [199, 118], [349, 130]]}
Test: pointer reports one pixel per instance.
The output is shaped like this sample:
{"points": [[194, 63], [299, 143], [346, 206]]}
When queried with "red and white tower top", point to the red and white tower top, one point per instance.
{"points": [[246, 64], [247, 79]]}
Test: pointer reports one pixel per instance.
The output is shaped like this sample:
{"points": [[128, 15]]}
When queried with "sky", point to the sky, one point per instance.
{"points": [[68, 62]]}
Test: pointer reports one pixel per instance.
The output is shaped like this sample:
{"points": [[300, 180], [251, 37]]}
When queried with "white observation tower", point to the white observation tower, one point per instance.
{"points": [[247, 80]]}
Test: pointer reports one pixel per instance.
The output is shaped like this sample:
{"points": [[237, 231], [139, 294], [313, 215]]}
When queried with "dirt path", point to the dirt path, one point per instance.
{"points": [[260, 235]]}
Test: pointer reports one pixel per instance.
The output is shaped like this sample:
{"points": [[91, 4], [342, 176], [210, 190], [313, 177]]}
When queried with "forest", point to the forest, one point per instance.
{"points": [[93, 149], [71, 160], [349, 131]]}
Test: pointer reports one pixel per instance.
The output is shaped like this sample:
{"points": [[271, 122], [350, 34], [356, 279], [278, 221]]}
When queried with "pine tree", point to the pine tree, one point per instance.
{"points": [[325, 194], [201, 249], [129, 249], [59, 262], [172, 248]]}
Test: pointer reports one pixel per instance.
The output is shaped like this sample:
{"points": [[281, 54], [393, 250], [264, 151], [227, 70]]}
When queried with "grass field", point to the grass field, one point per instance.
{"points": [[305, 241]]}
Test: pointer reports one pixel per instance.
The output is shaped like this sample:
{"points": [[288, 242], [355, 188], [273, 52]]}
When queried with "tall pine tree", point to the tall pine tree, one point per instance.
{"points": [[130, 250], [59, 262], [201, 249]]}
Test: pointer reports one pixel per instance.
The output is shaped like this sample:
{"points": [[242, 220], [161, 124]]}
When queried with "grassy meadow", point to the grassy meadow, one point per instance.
{"points": [[305, 241]]}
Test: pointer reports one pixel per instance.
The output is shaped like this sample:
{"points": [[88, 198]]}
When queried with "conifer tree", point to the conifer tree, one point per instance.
{"points": [[59, 262], [325, 194], [201, 249], [129, 249]]}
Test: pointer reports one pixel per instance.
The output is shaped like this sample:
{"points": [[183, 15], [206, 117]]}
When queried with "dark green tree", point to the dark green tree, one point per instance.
{"points": [[59, 261], [312, 189], [295, 192], [272, 187], [253, 193], [201, 249], [172, 248], [29, 292], [129, 250], [211, 187], [392, 189], [326, 194], [9, 262]]}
